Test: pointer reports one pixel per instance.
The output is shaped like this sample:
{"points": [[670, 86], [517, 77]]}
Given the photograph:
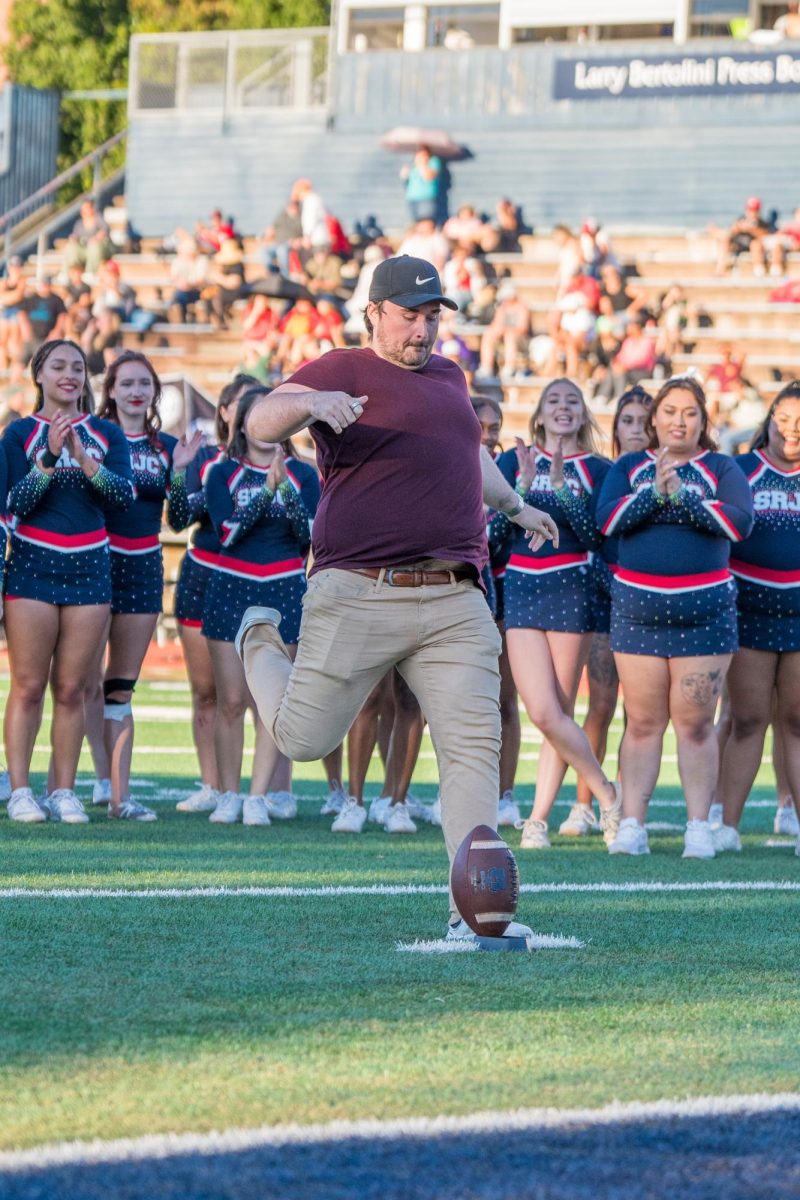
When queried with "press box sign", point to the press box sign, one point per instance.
{"points": [[714, 75]]}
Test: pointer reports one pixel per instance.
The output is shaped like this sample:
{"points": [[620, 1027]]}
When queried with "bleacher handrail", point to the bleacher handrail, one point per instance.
{"points": [[42, 194]]}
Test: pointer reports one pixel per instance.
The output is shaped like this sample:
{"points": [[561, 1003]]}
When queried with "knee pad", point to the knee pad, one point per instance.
{"points": [[115, 710], [118, 685]]}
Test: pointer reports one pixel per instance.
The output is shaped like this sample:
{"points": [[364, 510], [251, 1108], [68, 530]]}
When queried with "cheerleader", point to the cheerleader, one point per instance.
{"points": [[261, 506], [627, 435], [764, 676], [676, 508], [66, 469], [187, 506], [131, 392], [490, 415], [548, 597]]}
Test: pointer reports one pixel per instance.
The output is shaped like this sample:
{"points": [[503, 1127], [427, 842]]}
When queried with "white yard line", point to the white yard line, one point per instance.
{"points": [[169, 1145], [334, 891]]}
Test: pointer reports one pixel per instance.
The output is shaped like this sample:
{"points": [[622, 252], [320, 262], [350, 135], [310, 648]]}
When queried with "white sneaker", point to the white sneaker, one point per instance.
{"points": [[508, 810], [580, 822], [698, 841], [398, 820], [378, 810], [334, 803], [435, 813], [459, 931], [416, 808], [5, 787], [22, 806], [786, 821], [255, 615], [281, 805], [631, 838], [255, 811], [610, 818], [101, 792], [351, 819], [205, 799], [64, 805], [715, 818], [131, 810], [534, 835], [725, 837], [228, 810]]}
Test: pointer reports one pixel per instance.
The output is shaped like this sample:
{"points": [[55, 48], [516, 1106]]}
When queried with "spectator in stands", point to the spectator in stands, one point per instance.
{"points": [[189, 274], [12, 292], [789, 24], [425, 190], [466, 228], [312, 214], [329, 326], [297, 324], [16, 399], [634, 361], [42, 316], [504, 234], [462, 276], [674, 314], [323, 273], [281, 237], [620, 300], [570, 258], [76, 286], [596, 250], [226, 282], [359, 297], [426, 241], [571, 323], [111, 293], [510, 328], [747, 233], [725, 388], [102, 339], [260, 321], [785, 241], [89, 243], [210, 237]]}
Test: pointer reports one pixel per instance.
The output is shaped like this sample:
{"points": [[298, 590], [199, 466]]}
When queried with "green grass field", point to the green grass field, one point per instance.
{"points": [[125, 1016]]}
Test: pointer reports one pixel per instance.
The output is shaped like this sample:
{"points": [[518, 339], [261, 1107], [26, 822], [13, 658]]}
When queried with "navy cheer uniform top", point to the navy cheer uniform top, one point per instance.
{"points": [[59, 544], [264, 539], [767, 563], [672, 593], [551, 588], [137, 570], [187, 506]]}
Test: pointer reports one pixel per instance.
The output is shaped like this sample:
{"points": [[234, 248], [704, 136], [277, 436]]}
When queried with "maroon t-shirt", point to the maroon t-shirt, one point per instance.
{"points": [[404, 482]]}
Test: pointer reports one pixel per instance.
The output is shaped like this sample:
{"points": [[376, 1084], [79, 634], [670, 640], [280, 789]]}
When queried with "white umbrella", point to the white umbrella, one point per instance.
{"points": [[406, 139]]}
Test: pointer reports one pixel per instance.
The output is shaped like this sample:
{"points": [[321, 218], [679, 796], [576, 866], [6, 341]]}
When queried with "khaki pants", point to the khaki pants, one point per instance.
{"points": [[446, 646]]}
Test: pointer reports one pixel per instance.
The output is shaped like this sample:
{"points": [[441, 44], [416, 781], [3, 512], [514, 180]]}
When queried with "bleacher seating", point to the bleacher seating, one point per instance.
{"points": [[737, 305]]}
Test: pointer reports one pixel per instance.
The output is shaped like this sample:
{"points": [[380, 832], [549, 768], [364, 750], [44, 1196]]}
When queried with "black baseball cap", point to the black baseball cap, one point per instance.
{"points": [[409, 282]]}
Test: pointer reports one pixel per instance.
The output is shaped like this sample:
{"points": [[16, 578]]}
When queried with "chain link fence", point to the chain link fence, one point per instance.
{"points": [[229, 72]]}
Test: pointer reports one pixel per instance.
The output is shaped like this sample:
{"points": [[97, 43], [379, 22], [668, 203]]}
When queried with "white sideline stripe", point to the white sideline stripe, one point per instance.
{"points": [[332, 891], [168, 1145], [536, 941], [773, 842]]}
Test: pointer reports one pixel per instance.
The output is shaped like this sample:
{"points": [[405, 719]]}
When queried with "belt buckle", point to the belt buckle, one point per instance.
{"points": [[389, 577]]}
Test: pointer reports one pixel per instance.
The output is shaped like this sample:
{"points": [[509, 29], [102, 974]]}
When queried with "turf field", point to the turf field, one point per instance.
{"points": [[256, 981]]}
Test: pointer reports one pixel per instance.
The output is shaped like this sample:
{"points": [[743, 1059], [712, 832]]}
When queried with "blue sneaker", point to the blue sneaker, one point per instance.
{"points": [[255, 615]]}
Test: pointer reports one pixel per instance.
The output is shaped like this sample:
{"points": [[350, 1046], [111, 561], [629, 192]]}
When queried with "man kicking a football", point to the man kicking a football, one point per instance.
{"points": [[399, 541]]}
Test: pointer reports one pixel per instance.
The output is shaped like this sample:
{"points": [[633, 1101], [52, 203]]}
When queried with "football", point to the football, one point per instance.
{"points": [[485, 882]]}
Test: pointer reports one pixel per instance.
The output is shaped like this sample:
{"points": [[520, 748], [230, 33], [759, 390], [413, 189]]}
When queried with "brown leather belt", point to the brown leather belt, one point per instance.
{"points": [[413, 577]]}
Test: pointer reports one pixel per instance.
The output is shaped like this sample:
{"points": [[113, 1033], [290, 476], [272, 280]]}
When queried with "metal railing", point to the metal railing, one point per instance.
{"points": [[228, 72], [48, 193]]}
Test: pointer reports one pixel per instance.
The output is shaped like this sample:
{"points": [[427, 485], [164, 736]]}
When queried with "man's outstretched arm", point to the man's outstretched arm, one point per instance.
{"points": [[499, 494], [292, 407]]}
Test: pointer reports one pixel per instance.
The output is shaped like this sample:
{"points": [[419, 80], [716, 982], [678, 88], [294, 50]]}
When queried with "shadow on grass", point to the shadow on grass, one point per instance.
{"points": [[698, 1158]]}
